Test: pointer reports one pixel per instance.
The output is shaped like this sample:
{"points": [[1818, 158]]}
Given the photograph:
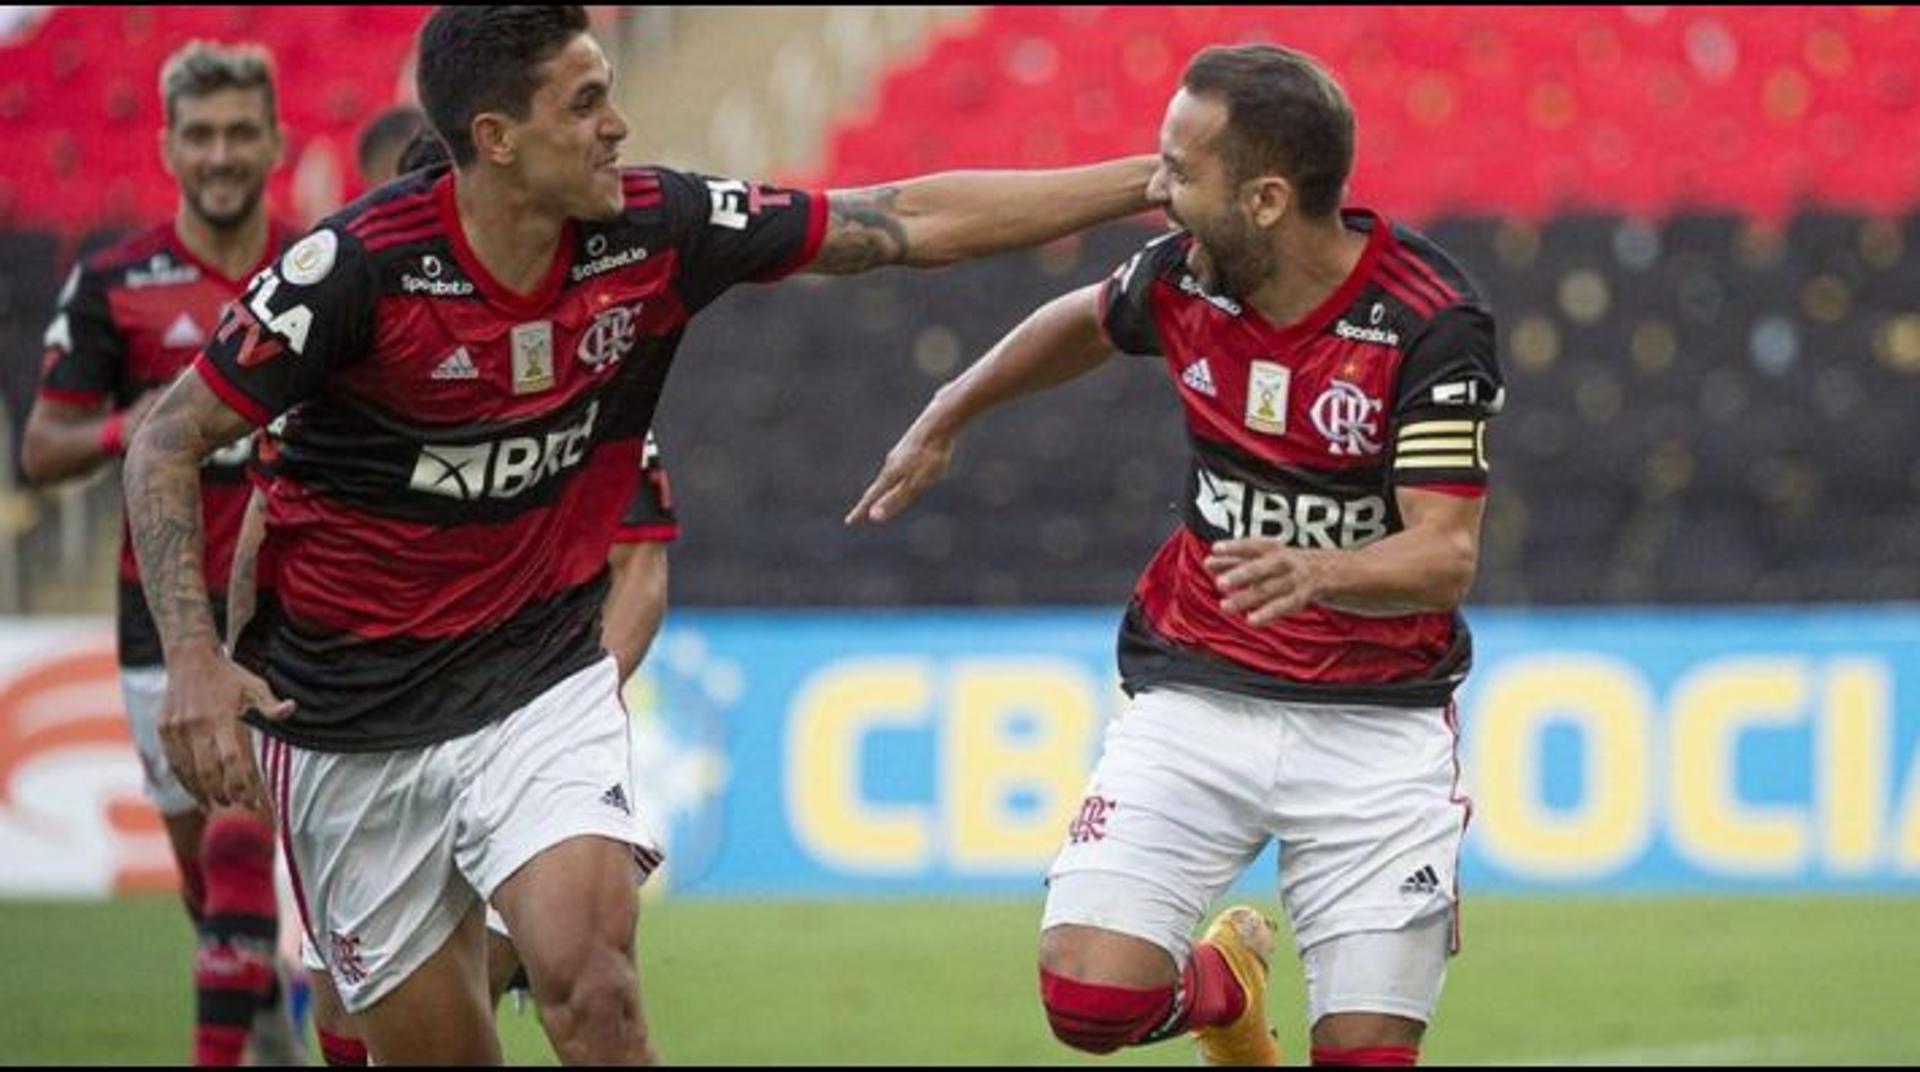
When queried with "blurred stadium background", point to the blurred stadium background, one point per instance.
{"points": [[1693, 733]]}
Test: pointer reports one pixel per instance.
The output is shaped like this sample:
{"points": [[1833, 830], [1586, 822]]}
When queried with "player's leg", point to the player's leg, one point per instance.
{"points": [[1372, 821], [552, 839], [581, 961], [340, 1042], [226, 880], [1172, 815], [448, 990], [504, 970], [370, 839]]}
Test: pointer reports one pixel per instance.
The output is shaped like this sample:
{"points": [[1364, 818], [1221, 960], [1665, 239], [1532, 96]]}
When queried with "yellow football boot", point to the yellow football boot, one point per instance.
{"points": [[1244, 938]]}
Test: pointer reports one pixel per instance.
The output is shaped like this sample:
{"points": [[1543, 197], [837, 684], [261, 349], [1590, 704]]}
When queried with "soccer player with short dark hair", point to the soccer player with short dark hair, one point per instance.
{"points": [[130, 319], [468, 362], [384, 139], [1292, 651]]}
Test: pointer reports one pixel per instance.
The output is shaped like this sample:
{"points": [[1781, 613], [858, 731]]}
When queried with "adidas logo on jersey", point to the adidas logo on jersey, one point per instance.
{"points": [[1199, 377], [616, 797], [458, 366], [1421, 883], [183, 334]]}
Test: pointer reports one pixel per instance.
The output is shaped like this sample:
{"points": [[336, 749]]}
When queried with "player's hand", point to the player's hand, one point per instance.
{"points": [[1263, 580], [915, 464], [200, 728]]}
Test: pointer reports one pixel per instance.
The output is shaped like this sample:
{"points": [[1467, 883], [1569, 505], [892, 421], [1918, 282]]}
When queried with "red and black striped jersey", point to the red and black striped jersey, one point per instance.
{"points": [[1302, 433], [456, 459], [130, 318]]}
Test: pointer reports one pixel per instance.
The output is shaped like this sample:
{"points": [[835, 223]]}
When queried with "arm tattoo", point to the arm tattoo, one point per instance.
{"points": [[163, 509], [863, 231]]}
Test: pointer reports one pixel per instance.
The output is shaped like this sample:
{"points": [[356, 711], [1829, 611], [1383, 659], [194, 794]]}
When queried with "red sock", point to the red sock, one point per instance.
{"points": [[1368, 1056], [1213, 995], [233, 974], [340, 1051]]}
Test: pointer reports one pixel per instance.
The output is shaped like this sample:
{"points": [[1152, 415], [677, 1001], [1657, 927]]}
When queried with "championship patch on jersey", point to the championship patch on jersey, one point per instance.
{"points": [[309, 261], [532, 357], [1267, 385]]}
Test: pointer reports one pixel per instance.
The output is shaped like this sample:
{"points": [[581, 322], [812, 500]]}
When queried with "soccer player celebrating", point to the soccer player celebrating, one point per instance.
{"points": [[130, 319], [468, 361], [1292, 650]]}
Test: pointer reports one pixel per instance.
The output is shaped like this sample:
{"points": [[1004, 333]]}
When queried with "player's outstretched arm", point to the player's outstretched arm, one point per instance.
{"points": [[206, 692], [636, 604], [1059, 342], [1427, 566], [955, 216]]}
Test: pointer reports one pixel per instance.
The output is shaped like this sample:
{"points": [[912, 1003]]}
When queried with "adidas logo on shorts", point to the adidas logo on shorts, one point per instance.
{"points": [[616, 797], [1421, 883]]}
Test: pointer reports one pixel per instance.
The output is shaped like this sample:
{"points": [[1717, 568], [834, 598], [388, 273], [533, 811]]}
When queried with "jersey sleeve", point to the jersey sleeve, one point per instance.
{"points": [[650, 517], [307, 314], [1126, 299], [1450, 387], [85, 352], [728, 231]]}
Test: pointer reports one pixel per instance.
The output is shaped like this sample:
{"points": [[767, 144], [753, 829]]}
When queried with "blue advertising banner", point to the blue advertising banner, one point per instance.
{"points": [[1653, 750]]}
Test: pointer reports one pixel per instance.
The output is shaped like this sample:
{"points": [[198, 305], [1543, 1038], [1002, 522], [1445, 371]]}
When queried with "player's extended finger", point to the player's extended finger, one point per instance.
{"points": [[860, 511], [896, 499], [1245, 547], [209, 773], [1276, 609], [260, 696], [240, 779]]}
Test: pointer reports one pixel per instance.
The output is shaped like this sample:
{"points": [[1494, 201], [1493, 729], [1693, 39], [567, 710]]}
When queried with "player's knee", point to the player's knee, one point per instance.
{"points": [[600, 1000], [1098, 1018]]}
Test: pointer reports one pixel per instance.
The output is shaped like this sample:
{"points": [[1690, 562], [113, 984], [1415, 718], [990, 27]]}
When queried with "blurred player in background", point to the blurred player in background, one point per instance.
{"points": [[469, 361], [386, 138], [1292, 651], [130, 319]]}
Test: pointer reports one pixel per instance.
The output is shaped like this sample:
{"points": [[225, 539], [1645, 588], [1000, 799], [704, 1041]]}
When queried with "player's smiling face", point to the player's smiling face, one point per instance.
{"points": [[1198, 192], [568, 149], [221, 147]]}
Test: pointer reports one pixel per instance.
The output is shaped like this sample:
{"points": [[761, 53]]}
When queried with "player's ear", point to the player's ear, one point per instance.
{"points": [[493, 137], [165, 145], [1268, 198]]}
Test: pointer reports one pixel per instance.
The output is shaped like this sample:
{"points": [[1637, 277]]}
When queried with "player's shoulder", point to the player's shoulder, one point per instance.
{"points": [[147, 250], [1424, 274], [392, 216]]}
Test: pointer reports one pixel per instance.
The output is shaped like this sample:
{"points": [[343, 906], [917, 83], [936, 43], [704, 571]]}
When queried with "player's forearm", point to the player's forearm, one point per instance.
{"points": [[163, 510], [636, 604], [1060, 341], [959, 215], [1410, 572], [53, 451], [241, 585]]}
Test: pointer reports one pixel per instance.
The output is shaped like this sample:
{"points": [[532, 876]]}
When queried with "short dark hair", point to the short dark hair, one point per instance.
{"points": [[388, 131], [424, 151], [1285, 114], [199, 68], [482, 59]]}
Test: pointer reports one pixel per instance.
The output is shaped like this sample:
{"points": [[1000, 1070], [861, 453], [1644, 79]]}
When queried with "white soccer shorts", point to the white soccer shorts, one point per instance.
{"points": [[390, 850], [145, 687], [1192, 782]]}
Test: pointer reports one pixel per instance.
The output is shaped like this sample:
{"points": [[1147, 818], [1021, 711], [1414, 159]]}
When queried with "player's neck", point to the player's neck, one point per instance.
{"points": [[515, 242], [1312, 260], [232, 251]]}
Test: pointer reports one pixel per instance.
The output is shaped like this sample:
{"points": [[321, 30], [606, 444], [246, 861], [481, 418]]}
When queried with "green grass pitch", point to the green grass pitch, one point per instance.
{"points": [[1618, 981]]}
